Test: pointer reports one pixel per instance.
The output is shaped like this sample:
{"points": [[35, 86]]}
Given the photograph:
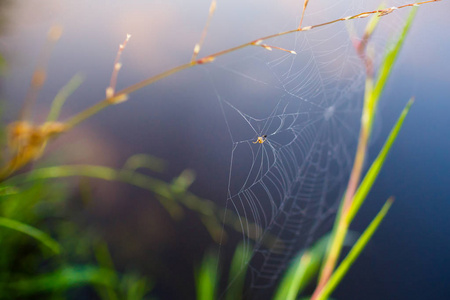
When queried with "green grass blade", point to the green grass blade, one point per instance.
{"points": [[105, 261], [39, 235], [207, 278], [91, 171], [181, 183], [8, 190], [391, 56], [348, 261], [156, 186], [62, 96], [2, 64], [374, 88], [305, 268], [100, 172], [376, 166], [150, 162], [136, 287], [164, 192], [238, 270], [294, 281], [61, 280], [373, 23]]}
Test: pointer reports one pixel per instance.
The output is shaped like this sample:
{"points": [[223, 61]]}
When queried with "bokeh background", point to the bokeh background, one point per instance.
{"points": [[179, 120]]}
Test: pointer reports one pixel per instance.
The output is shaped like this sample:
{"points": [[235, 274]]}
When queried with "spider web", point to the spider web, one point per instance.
{"points": [[287, 188]]}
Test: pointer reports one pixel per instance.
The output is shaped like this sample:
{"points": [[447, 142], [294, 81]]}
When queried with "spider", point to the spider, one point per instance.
{"points": [[261, 139]]}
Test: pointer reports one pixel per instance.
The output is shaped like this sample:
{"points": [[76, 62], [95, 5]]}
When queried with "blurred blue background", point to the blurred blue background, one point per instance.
{"points": [[180, 120]]}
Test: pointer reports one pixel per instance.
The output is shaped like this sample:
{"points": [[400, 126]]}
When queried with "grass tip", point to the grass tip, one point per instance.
{"points": [[410, 102], [39, 77], [213, 6], [109, 92], [196, 49], [55, 32]]}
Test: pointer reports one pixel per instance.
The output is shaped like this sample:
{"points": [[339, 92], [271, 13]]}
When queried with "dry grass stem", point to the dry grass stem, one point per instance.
{"points": [[305, 4], [110, 90], [40, 73], [268, 47], [198, 46]]}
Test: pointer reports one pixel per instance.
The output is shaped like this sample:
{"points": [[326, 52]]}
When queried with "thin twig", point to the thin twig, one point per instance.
{"points": [[305, 4], [198, 46], [110, 90], [40, 73]]}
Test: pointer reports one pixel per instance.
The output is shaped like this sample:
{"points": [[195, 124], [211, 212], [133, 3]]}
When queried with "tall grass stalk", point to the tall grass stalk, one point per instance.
{"points": [[372, 95]]}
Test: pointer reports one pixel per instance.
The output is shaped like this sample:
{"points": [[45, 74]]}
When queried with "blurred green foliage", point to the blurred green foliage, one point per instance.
{"points": [[45, 253]]}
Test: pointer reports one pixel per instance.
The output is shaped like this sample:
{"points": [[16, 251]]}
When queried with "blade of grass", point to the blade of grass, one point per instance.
{"points": [[162, 189], [39, 235], [105, 261], [376, 166], [159, 187], [8, 190], [136, 287], [294, 281], [391, 56], [305, 267], [62, 96], [146, 161], [348, 261], [207, 278], [374, 88], [61, 280], [238, 271], [2, 64]]}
